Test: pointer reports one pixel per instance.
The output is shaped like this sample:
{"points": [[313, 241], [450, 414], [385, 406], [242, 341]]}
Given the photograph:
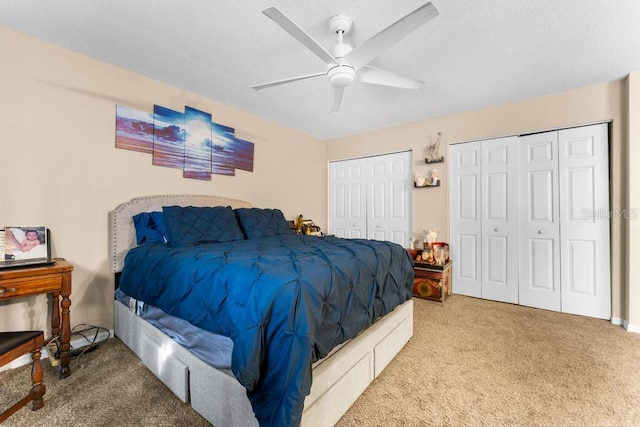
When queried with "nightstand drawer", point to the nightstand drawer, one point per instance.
{"points": [[13, 288]]}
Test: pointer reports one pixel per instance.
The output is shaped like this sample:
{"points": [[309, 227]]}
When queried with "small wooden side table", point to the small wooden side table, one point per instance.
{"points": [[54, 279], [432, 281]]}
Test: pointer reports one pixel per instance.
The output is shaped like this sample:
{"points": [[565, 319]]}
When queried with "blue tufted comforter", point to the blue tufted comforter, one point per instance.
{"points": [[284, 300]]}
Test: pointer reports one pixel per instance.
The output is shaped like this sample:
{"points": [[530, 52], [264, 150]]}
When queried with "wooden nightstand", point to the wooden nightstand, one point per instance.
{"points": [[432, 282], [54, 279]]}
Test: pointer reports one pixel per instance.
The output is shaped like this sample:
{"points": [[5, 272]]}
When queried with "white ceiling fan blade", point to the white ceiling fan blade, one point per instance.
{"points": [[336, 98], [299, 34], [391, 35], [377, 76], [289, 80]]}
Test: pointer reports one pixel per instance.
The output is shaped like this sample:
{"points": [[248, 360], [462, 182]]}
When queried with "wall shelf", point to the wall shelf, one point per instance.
{"points": [[440, 160], [426, 186]]}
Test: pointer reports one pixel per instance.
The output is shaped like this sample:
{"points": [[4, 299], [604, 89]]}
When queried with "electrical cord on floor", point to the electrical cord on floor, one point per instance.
{"points": [[52, 339], [83, 330], [53, 349]]}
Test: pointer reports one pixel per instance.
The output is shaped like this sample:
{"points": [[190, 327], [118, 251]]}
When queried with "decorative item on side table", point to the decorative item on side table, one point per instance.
{"points": [[305, 226], [432, 267], [297, 224], [310, 229], [440, 252], [429, 237], [24, 246]]}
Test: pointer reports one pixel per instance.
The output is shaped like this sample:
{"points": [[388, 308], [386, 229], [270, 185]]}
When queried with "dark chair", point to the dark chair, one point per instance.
{"points": [[14, 345]]}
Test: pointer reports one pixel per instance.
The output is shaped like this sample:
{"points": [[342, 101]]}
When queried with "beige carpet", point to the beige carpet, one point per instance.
{"points": [[470, 363]]}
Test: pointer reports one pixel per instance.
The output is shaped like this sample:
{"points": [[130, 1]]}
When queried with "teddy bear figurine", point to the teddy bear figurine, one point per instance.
{"points": [[430, 237]]}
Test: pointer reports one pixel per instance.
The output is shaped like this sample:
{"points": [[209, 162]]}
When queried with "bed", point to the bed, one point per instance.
{"points": [[300, 359]]}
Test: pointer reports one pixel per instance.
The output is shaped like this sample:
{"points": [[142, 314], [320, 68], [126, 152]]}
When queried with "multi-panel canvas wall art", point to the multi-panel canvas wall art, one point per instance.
{"points": [[189, 141]]}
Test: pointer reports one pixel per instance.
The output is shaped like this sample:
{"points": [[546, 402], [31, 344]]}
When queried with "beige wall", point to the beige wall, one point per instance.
{"points": [[606, 102], [60, 167], [633, 254]]}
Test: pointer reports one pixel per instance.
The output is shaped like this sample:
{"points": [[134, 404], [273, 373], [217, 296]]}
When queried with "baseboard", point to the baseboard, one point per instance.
{"points": [[77, 343], [626, 325], [617, 321], [631, 328]]}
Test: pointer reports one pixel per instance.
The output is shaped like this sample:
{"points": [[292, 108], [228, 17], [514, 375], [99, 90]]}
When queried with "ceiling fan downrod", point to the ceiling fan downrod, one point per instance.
{"points": [[344, 74]]}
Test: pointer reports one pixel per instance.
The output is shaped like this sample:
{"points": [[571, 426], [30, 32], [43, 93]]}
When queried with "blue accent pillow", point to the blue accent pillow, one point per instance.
{"points": [[256, 223], [191, 225], [150, 227]]}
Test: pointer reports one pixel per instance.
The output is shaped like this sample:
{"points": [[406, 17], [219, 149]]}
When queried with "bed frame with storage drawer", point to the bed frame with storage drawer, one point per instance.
{"points": [[338, 379]]}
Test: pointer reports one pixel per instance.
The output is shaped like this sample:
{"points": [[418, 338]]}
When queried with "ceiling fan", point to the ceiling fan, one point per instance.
{"points": [[345, 63]]}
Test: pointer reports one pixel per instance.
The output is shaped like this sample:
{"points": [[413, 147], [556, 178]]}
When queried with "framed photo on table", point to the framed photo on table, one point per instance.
{"points": [[22, 245], [440, 252]]}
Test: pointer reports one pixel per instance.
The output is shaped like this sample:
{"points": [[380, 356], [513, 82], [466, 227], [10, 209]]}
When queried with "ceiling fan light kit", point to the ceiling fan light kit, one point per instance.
{"points": [[345, 63], [341, 75]]}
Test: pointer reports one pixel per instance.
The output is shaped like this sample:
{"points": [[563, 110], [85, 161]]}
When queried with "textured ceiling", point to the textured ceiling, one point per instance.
{"points": [[474, 54]]}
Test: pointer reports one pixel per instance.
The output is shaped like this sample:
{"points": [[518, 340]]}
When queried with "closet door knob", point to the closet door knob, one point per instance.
{"points": [[495, 229], [540, 232]]}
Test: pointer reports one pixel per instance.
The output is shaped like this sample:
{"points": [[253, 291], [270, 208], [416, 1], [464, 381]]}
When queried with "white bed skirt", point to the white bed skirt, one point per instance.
{"points": [[215, 394]]}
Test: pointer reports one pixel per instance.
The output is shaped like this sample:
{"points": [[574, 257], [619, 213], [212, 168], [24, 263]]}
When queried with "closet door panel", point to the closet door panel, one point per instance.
{"points": [[539, 257], [388, 198], [357, 215], [466, 221], [377, 202], [585, 244], [541, 269], [400, 188], [347, 198], [499, 222]]}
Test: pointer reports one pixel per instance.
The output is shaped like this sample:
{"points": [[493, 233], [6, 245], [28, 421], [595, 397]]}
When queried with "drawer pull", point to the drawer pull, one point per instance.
{"points": [[6, 290]]}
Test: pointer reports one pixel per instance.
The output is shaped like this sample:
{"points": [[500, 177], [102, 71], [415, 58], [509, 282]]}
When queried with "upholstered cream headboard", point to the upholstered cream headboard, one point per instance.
{"points": [[122, 232]]}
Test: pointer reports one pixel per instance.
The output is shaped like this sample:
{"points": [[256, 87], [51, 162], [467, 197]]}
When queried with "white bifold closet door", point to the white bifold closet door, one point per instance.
{"points": [[500, 219], [370, 198], [564, 221], [348, 199], [539, 222], [585, 247], [465, 210], [484, 219], [530, 220]]}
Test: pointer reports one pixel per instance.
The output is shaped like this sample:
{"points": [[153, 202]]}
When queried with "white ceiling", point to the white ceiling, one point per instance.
{"points": [[474, 54]]}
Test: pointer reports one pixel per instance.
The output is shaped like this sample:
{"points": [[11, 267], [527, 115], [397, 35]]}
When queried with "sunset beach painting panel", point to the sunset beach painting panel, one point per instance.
{"points": [[222, 142], [134, 129], [197, 144], [243, 155], [168, 137]]}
